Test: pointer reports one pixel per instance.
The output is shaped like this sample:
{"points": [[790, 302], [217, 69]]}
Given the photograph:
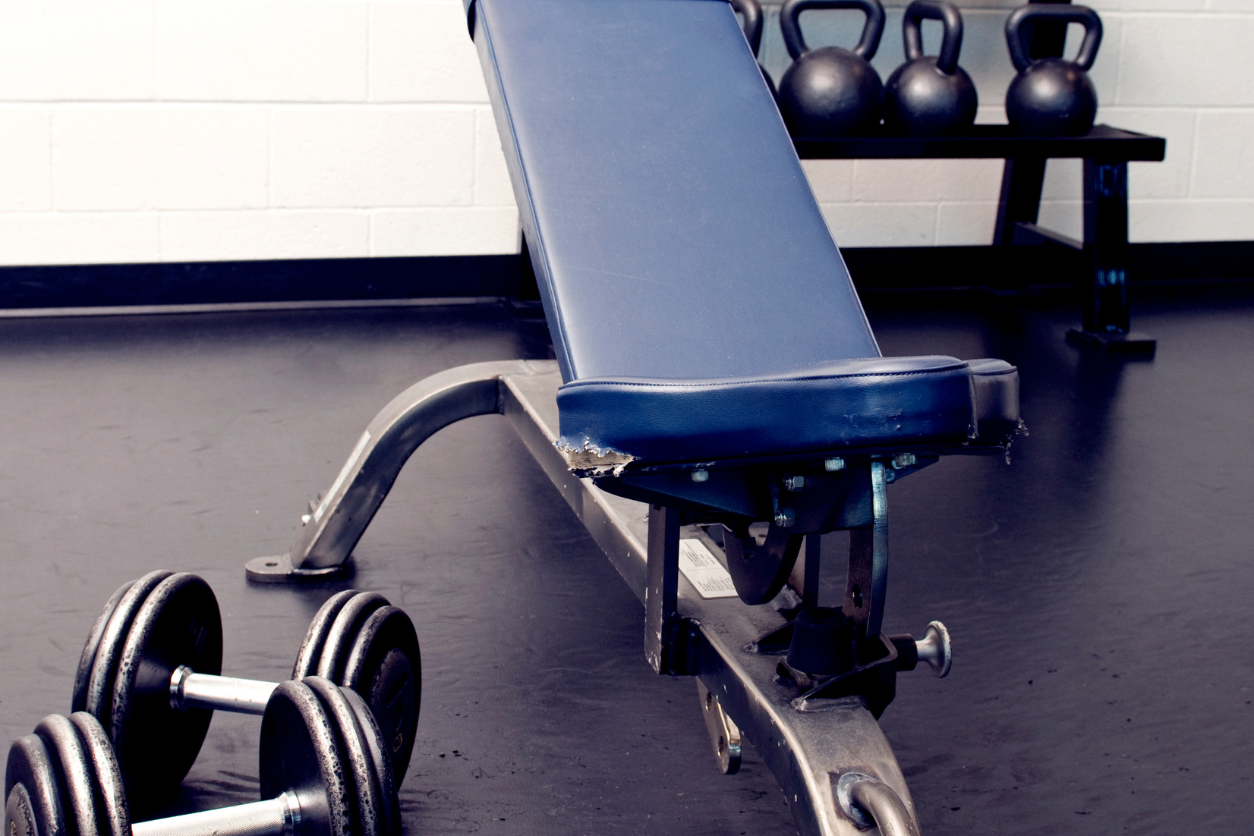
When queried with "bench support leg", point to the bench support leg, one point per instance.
{"points": [[332, 528], [1106, 319]]}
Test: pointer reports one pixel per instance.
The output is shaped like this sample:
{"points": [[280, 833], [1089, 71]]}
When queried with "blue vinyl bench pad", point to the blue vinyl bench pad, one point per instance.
{"points": [[699, 307], [890, 402], [671, 226]]}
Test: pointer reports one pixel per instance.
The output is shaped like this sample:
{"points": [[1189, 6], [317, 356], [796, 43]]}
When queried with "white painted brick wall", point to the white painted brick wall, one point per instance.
{"points": [[261, 234], [79, 238], [188, 130], [261, 50], [394, 155], [200, 130], [26, 159], [76, 50], [442, 230], [421, 52]]}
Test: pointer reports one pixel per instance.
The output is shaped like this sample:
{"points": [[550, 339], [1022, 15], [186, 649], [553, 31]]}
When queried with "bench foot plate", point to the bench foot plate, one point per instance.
{"points": [[279, 569]]}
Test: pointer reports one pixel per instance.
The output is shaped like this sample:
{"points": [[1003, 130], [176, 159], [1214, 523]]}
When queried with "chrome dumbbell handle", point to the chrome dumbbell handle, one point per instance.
{"points": [[189, 689], [276, 817]]}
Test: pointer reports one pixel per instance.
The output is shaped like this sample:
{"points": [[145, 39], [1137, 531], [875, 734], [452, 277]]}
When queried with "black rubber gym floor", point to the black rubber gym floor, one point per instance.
{"points": [[1098, 588]]}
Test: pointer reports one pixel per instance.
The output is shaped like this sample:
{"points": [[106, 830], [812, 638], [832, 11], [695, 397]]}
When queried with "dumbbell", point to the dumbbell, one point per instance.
{"points": [[323, 767], [150, 674]]}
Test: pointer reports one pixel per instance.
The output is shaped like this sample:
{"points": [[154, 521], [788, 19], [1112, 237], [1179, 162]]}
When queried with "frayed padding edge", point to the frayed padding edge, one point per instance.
{"points": [[586, 458]]}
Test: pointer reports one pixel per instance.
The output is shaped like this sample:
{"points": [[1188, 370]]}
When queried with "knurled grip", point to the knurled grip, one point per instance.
{"points": [[197, 690], [276, 817]]}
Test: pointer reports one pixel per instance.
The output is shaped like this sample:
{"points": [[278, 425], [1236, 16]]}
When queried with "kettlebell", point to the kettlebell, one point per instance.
{"points": [[1052, 96], [831, 91], [751, 13], [930, 96]]}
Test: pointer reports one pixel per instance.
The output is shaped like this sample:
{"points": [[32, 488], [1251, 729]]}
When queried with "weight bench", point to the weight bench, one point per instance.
{"points": [[717, 394]]}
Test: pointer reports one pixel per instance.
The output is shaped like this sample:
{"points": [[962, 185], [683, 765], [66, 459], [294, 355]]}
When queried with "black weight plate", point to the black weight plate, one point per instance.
{"points": [[105, 665], [177, 624], [389, 814], [316, 635], [385, 667], [760, 572], [343, 634], [72, 767], [19, 813], [110, 794], [83, 675], [299, 753], [32, 791], [358, 765]]}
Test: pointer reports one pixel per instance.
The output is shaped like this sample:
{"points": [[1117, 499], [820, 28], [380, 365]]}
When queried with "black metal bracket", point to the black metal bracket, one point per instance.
{"points": [[669, 638], [875, 681]]}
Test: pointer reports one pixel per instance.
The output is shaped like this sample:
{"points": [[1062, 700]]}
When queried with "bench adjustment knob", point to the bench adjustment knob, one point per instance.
{"points": [[933, 650]]}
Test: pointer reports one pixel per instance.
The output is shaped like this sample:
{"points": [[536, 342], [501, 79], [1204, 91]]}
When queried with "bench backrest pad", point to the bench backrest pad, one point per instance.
{"points": [[672, 229]]}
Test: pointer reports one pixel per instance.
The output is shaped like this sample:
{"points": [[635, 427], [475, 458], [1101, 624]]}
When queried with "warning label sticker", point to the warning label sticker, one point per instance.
{"points": [[703, 570]]}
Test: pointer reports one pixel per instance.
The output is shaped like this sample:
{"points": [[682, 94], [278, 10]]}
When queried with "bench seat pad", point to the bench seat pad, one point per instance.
{"points": [[880, 402]]}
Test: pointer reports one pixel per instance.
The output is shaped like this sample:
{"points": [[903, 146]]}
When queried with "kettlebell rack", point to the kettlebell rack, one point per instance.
{"points": [[1106, 152]]}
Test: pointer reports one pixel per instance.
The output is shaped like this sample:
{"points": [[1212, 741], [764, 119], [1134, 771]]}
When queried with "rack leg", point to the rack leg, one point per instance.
{"points": [[1106, 319], [1020, 201]]}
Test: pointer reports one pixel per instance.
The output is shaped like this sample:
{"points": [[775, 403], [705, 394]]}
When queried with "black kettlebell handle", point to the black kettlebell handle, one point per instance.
{"points": [[752, 14], [951, 43], [1069, 14], [871, 32]]}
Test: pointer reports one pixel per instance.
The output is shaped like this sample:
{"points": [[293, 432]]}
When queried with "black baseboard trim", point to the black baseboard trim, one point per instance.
{"points": [[1217, 261], [243, 282], [448, 277], [1018, 268]]}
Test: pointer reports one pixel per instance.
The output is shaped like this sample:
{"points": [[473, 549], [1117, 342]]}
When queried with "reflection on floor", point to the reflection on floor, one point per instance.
{"points": [[1097, 588]]}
